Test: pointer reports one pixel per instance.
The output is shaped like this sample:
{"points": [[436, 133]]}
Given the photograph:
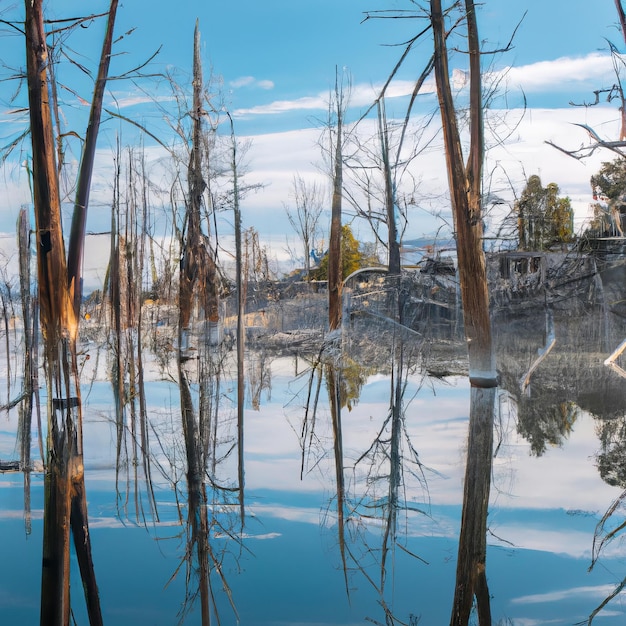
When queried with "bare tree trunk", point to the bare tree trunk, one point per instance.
{"points": [[393, 245], [197, 286], [81, 203], [65, 501], [241, 303], [56, 317], [335, 277], [115, 298], [465, 189], [26, 406]]}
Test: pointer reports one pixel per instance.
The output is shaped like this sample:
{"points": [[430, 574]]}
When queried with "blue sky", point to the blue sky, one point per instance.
{"points": [[276, 63]]}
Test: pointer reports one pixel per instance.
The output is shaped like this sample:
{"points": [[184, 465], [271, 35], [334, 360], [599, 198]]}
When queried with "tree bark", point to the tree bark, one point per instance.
{"points": [[465, 183], [81, 203], [335, 277], [65, 499], [194, 278], [393, 245]]}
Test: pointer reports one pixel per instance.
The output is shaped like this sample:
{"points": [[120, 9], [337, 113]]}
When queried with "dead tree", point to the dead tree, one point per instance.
{"points": [[28, 391], [304, 218], [241, 303], [393, 245], [65, 503], [465, 182], [616, 91], [335, 277], [192, 272]]}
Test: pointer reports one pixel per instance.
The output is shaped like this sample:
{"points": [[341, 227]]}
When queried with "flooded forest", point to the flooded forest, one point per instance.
{"points": [[201, 441]]}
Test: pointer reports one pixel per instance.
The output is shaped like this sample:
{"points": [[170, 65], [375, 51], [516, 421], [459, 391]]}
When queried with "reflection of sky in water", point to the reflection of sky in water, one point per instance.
{"points": [[543, 515]]}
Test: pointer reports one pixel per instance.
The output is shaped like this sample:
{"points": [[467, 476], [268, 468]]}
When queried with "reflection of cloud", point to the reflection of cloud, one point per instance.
{"points": [[249, 536], [536, 622], [115, 522], [291, 514], [19, 514], [574, 544], [599, 591]]}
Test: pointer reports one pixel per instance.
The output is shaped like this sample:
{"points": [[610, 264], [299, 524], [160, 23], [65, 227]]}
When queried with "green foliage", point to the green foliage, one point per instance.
{"points": [[610, 181], [544, 219], [352, 256]]}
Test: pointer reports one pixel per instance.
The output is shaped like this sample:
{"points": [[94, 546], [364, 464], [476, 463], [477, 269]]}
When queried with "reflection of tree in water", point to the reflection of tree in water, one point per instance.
{"points": [[611, 459], [386, 476], [575, 377], [544, 422], [376, 489], [572, 377], [208, 497], [259, 377]]}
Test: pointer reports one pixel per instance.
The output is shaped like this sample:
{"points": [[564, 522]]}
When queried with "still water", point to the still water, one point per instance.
{"points": [[301, 557]]}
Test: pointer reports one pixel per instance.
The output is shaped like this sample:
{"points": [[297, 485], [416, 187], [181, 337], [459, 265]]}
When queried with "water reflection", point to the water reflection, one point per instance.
{"points": [[365, 434]]}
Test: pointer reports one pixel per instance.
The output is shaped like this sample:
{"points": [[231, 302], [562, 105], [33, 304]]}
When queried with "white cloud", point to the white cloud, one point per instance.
{"points": [[559, 74], [284, 106], [251, 81], [565, 74], [361, 95], [242, 81], [137, 99]]}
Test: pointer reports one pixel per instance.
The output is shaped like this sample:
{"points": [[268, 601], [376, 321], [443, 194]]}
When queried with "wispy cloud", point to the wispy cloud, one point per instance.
{"points": [[137, 99], [559, 74], [251, 81], [591, 71], [360, 95], [285, 106]]}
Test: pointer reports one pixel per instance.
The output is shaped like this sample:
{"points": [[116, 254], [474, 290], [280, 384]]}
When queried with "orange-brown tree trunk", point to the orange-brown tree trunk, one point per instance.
{"points": [[335, 278], [65, 499], [465, 182]]}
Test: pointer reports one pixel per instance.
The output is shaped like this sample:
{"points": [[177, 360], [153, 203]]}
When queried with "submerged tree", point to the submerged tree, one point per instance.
{"points": [[198, 296], [65, 504], [465, 182], [335, 274]]}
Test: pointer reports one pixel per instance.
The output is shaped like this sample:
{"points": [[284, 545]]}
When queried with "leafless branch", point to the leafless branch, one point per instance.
{"points": [[598, 143]]}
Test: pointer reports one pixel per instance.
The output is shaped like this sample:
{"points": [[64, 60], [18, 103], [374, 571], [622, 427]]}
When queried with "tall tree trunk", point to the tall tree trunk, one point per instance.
{"points": [[465, 183], [56, 318], [81, 203], [241, 304], [393, 246], [335, 277], [465, 189], [197, 286], [65, 500], [26, 406]]}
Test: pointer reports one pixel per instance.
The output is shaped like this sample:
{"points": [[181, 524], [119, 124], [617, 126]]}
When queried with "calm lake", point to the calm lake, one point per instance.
{"points": [[382, 548]]}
